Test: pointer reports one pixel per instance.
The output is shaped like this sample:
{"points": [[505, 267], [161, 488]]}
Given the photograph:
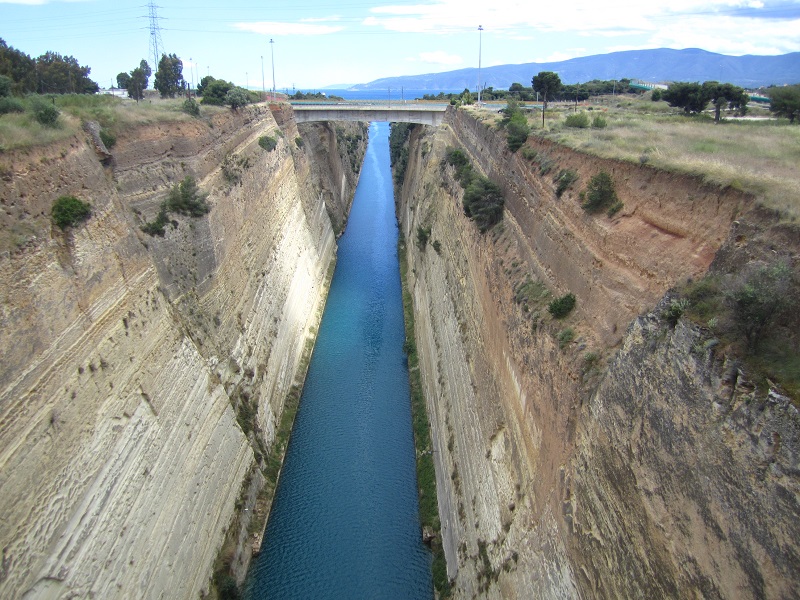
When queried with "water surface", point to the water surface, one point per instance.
{"points": [[344, 521]]}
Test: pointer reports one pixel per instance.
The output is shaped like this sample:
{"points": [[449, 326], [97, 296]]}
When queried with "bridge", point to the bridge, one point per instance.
{"points": [[393, 112]]}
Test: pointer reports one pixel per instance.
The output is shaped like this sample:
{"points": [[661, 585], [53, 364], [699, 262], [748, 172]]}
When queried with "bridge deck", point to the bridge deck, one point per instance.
{"points": [[395, 112]]}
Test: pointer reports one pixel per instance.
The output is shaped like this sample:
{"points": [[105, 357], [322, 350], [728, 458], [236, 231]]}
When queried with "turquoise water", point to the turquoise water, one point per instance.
{"points": [[344, 522]]}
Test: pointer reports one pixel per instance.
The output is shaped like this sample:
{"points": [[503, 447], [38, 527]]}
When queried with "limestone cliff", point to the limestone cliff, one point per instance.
{"points": [[611, 454], [142, 376]]}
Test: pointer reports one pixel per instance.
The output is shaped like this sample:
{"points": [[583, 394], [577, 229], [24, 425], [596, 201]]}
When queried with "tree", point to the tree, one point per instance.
{"points": [[721, 94], [63, 75], [5, 86], [216, 91], [236, 98], [516, 125], [547, 83], [688, 96], [123, 80], [19, 67], [137, 84], [205, 82], [761, 293], [785, 101], [169, 76]]}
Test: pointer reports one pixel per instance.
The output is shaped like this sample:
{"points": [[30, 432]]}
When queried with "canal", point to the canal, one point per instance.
{"points": [[344, 521]]}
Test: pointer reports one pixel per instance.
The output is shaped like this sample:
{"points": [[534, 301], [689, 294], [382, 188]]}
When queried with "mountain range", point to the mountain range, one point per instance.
{"points": [[659, 65]]}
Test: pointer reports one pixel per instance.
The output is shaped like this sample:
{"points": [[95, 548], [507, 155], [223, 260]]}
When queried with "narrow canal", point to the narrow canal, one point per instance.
{"points": [[344, 520]]}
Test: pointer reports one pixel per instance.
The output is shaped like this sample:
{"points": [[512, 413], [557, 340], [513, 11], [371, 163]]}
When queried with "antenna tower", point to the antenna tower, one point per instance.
{"points": [[156, 45]]}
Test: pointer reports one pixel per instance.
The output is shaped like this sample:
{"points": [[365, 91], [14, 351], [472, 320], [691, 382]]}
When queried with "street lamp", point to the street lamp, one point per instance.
{"points": [[272, 50], [480, 34]]}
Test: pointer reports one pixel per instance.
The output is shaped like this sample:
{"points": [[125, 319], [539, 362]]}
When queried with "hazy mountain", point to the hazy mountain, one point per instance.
{"points": [[659, 65]]}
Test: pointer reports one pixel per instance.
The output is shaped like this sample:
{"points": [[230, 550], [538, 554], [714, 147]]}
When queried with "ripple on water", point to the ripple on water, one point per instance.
{"points": [[344, 522]]}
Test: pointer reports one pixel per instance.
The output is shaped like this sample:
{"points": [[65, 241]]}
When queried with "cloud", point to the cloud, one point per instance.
{"points": [[280, 28], [438, 57], [668, 24]]}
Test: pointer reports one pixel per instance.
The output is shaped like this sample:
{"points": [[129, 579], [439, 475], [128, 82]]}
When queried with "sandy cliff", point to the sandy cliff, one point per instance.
{"points": [[141, 376], [621, 458]]}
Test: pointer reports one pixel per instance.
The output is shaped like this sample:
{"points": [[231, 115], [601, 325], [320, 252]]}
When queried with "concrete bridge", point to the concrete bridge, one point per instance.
{"points": [[393, 112]]}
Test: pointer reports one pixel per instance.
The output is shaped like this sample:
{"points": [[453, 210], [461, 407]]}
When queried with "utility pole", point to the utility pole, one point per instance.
{"points": [[191, 70], [272, 50], [480, 34]]}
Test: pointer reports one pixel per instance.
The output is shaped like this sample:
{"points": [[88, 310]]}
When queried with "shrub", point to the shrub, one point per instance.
{"points": [[157, 227], [656, 96], [11, 105], [578, 120], [600, 193], [233, 166], [599, 122], [423, 235], [565, 337], [45, 112], [108, 138], [237, 98], [483, 202], [5, 86], [529, 153], [675, 310], [518, 131], [299, 141], [68, 211], [437, 246], [268, 143], [564, 179], [615, 208], [561, 307], [191, 107], [184, 198], [760, 294]]}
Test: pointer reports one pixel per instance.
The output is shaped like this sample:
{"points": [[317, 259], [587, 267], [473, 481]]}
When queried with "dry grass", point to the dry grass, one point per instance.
{"points": [[756, 156], [114, 114]]}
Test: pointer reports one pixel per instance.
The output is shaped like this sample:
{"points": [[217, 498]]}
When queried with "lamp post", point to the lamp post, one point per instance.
{"points": [[480, 34], [272, 50]]}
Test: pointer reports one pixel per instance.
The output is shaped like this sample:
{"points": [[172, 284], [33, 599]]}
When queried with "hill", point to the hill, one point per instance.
{"points": [[658, 65]]}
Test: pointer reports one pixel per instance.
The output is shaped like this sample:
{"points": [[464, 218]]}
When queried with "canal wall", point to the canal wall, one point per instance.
{"points": [[615, 453], [142, 377]]}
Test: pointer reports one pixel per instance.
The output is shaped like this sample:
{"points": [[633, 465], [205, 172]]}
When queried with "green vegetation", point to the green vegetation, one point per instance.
{"points": [[184, 199], [600, 194], [398, 149], [423, 235], [546, 83], [109, 139], [50, 73], [564, 337], [564, 179], [693, 97], [516, 124], [562, 306], [299, 142], [483, 199], [268, 143], [236, 98], [579, 120], [749, 313], [233, 167], [45, 112], [426, 476], [599, 122], [68, 211], [191, 107], [785, 101], [169, 76], [315, 96]]}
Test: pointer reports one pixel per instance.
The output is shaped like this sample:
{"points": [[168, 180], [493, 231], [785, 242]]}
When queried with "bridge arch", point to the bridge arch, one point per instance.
{"points": [[401, 113]]}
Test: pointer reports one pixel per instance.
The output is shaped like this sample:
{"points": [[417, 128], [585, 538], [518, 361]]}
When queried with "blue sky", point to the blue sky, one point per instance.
{"points": [[318, 43]]}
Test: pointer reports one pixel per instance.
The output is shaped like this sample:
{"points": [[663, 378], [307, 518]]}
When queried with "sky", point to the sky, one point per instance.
{"points": [[322, 43]]}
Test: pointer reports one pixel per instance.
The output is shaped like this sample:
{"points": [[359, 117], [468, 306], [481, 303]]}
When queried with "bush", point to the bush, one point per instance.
{"points": [[656, 96], [600, 193], [45, 112], [564, 179], [237, 98], [483, 202], [191, 107], [615, 208], [157, 227], [185, 199], [578, 120], [108, 138], [518, 131], [5, 86], [675, 310], [299, 141], [599, 122], [760, 295], [268, 143], [458, 158], [68, 211], [11, 105], [423, 235], [565, 337], [529, 153], [561, 307]]}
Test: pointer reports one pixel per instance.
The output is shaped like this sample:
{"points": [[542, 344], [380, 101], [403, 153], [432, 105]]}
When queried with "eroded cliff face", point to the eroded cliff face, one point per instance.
{"points": [[141, 377], [610, 454]]}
